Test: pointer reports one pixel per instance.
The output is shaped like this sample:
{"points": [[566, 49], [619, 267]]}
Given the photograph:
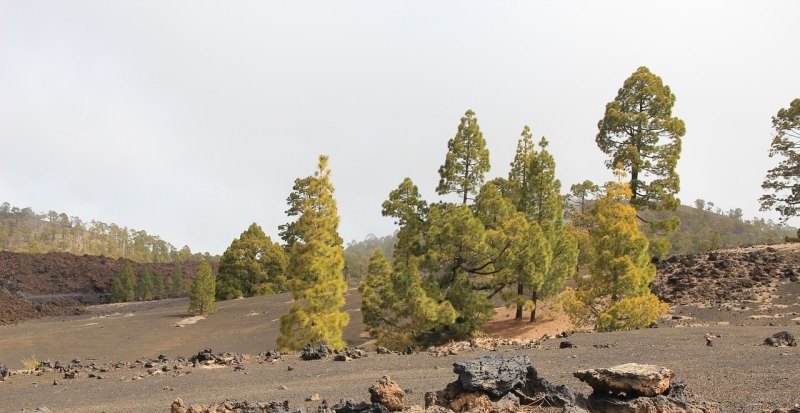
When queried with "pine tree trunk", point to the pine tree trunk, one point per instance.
{"points": [[534, 298], [520, 291]]}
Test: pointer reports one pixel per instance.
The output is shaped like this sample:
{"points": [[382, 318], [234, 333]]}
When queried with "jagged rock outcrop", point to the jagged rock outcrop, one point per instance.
{"points": [[389, 394]]}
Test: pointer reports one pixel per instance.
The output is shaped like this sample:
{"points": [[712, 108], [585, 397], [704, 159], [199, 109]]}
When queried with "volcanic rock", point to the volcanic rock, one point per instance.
{"points": [[315, 353], [4, 372], [495, 375], [676, 400], [358, 407], [389, 394], [629, 379], [782, 339]]}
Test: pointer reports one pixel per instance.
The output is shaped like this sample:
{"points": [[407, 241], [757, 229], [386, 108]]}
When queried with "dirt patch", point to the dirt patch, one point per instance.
{"points": [[550, 322]]}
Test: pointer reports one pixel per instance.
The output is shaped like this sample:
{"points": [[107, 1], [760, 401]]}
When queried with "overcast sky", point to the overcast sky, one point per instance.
{"points": [[191, 119]]}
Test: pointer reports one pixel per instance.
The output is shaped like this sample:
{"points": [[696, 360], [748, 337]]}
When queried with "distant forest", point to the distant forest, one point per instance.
{"points": [[703, 227], [23, 230]]}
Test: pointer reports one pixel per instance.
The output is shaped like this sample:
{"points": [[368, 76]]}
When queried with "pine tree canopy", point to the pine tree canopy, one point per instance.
{"points": [[252, 265], [467, 160]]}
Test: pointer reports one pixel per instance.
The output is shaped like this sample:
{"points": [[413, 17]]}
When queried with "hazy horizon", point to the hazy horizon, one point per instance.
{"points": [[190, 120]]}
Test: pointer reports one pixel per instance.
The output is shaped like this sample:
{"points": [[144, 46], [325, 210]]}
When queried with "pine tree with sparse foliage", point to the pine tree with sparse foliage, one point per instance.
{"points": [[315, 267], [202, 291], [782, 183]]}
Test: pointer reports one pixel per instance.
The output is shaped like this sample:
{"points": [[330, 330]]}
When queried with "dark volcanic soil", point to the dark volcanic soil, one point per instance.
{"points": [[37, 285]]}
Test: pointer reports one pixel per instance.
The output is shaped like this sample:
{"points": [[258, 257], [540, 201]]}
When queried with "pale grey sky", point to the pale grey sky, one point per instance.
{"points": [[191, 119]]}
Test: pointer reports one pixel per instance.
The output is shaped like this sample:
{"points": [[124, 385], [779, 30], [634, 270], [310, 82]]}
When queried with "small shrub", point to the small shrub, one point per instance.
{"points": [[31, 363]]}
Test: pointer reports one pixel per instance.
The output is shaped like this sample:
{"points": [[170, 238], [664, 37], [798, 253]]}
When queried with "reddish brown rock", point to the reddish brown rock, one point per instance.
{"points": [[389, 394]]}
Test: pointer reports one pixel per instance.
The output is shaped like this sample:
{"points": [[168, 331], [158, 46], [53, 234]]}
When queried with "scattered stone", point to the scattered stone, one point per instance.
{"points": [[782, 339], [383, 350], [4, 372], [289, 368], [629, 379], [203, 355], [231, 406], [566, 344], [408, 350], [315, 353], [388, 394], [313, 398], [358, 407], [40, 409]]}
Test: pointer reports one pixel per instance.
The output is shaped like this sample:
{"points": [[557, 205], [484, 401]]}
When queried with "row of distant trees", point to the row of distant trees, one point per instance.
{"points": [[148, 285], [23, 230]]}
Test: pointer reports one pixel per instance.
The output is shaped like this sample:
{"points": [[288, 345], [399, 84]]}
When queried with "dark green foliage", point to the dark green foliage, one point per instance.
{"points": [[176, 287], [782, 183], [201, 291], [252, 265], [159, 287], [452, 258], [122, 285], [144, 287], [467, 160]]}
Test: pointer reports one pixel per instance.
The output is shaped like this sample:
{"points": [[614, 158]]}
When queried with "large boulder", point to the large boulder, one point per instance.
{"points": [[4, 372], [492, 374], [782, 339], [630, 380], [388, 394]]}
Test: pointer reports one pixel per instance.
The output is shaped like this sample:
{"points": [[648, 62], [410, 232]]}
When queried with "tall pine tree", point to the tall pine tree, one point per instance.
{"points": [[639, 132], [467, 160], [316, 261]]}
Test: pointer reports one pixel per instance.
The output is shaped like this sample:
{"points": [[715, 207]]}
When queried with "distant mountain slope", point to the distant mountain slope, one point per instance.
{"points": [[702, 229], [357, 254], [23, 230]]}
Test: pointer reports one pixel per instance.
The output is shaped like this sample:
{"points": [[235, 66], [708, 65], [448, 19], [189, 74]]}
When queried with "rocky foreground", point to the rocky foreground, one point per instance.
{"points": [[493, 377]]}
